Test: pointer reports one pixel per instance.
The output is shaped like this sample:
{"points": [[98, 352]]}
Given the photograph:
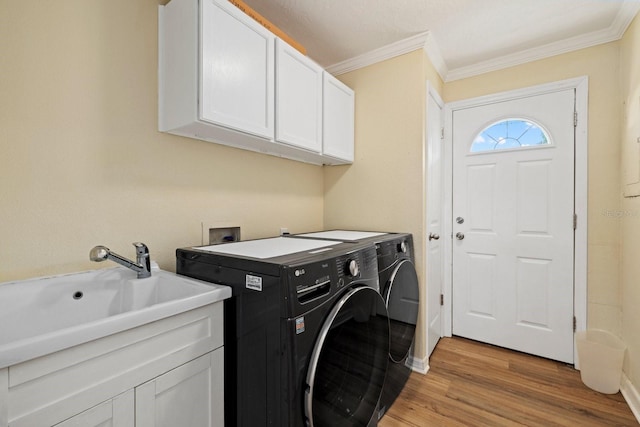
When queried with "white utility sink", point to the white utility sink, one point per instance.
{"points": [[44, 315]]}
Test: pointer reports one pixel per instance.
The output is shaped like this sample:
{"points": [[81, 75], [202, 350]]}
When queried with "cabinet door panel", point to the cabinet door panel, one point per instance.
{"points": [[188, 396], [298, 99], [116, 412], [338, 119], [237, 75]]}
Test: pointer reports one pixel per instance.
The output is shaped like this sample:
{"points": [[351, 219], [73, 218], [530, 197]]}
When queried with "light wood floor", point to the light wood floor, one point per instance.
{"points": [[474, 384]]}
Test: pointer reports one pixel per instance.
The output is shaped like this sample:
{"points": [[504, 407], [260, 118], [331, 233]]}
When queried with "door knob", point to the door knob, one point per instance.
{"points": [[459, 235], [433, 236]]}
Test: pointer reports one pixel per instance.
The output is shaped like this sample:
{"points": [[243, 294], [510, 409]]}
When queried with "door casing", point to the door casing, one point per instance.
{"points": [[580, 84]]}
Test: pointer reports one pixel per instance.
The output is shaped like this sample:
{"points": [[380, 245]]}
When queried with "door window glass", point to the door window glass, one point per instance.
{"points": [[510, 134]]}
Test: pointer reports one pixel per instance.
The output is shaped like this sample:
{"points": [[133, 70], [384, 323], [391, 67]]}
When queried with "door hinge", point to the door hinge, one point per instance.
{"points": [[441, 299], [575, 221], [441, 133], [575, 119], [575, 323]]}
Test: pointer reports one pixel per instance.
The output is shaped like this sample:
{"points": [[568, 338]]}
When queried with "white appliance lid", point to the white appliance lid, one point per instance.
{"points": [[343, 234], [269, 248]]}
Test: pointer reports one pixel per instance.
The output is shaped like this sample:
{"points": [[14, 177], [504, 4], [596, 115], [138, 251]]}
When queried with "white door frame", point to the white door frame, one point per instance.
{"points": [[581, 86]]}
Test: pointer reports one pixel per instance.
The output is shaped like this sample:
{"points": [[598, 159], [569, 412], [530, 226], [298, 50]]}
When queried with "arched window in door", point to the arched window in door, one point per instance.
{"points": [[510, 134]]}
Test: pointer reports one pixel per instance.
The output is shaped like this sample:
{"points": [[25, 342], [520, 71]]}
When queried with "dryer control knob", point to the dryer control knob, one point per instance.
{"points": [[353, 268], [402, 247]]}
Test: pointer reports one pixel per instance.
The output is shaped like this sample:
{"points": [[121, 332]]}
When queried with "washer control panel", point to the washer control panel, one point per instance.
{"points": [[313, 283]]}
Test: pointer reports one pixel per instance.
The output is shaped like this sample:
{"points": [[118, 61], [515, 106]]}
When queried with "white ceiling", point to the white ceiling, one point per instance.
{"points": [[463, 37]]}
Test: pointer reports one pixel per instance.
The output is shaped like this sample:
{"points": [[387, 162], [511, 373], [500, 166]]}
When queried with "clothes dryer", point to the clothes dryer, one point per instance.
{"points": [[306, 330], [400, 290]]}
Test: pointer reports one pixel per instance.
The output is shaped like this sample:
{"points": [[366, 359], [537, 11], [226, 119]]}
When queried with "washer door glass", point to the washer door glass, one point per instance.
{"points": [[402, 299], [349, 361]]}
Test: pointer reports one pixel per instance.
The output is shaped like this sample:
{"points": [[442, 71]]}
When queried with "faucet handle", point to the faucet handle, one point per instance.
{"points": [[141, 248], [143, 259]]}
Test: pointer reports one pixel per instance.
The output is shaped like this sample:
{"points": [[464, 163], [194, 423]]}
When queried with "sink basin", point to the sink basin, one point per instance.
{"points": [[44, 315]]}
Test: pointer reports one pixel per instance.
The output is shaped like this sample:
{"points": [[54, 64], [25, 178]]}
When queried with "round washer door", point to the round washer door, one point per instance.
{"points": [[349, 361], [402, 300]]}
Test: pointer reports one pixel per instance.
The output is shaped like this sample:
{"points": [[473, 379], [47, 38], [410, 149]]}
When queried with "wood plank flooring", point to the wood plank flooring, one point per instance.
{"points": [[475, 384]]}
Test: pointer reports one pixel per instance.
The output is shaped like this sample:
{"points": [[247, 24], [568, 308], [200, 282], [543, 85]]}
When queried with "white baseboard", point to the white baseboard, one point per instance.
{"points": [[631, 395], [419, 365]]}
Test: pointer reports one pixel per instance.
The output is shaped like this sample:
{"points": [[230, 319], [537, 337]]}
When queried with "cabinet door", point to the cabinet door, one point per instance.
{"points": [[298, 99], [191, 395], [338, 119], [117, 412], [237, 75]]}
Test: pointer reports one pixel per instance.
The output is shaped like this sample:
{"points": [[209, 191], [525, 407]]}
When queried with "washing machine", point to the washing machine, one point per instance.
{"points": [[399, 288], [306, 330]]}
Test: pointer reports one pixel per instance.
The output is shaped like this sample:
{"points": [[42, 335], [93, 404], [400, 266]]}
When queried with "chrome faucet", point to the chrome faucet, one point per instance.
{"points": [[142, 266]]}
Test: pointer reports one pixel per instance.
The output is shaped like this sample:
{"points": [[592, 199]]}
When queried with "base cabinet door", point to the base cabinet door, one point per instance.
{"points": [[188, 396], [116, 412]]}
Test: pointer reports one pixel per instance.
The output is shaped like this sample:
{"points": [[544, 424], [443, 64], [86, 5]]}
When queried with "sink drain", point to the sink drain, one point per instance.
{"points": [[78, 295]]}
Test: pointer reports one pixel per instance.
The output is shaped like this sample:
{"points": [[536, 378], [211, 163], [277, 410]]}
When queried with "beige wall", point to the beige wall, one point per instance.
{"points": [[629, 217], [383, 190], [600, 64], [82, 162]]}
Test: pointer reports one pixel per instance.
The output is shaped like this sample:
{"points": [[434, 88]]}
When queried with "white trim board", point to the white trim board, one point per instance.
{"points": [[581, 86], [420, 366], [631, 395], [381, 54]]}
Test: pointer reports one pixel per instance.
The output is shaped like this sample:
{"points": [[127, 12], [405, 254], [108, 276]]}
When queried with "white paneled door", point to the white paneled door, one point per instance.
{"points": [[513, 224]]}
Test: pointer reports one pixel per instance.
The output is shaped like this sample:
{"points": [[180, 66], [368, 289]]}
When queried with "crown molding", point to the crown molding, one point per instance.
{"points": [[435, 56], [616, 30], [530, 55], [627, 12], [378, 55]]}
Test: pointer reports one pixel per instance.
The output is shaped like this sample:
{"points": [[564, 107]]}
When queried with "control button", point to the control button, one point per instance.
{"points": [[340, 282], [353, 268]]}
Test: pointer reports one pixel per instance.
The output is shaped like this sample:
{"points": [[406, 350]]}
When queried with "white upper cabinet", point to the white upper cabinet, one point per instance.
{"points": [[298, 99], [338, 121], [224, 78], [216, 67], [237, 71]]}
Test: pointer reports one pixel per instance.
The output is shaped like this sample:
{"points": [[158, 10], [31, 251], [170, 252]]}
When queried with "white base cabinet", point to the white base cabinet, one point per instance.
{"points": [[116, 412], [224, 78], [164, 373], [189, 396]]}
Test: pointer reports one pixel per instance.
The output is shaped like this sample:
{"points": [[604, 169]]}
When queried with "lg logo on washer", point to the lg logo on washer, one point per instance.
{"points": [[299, 272]]}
